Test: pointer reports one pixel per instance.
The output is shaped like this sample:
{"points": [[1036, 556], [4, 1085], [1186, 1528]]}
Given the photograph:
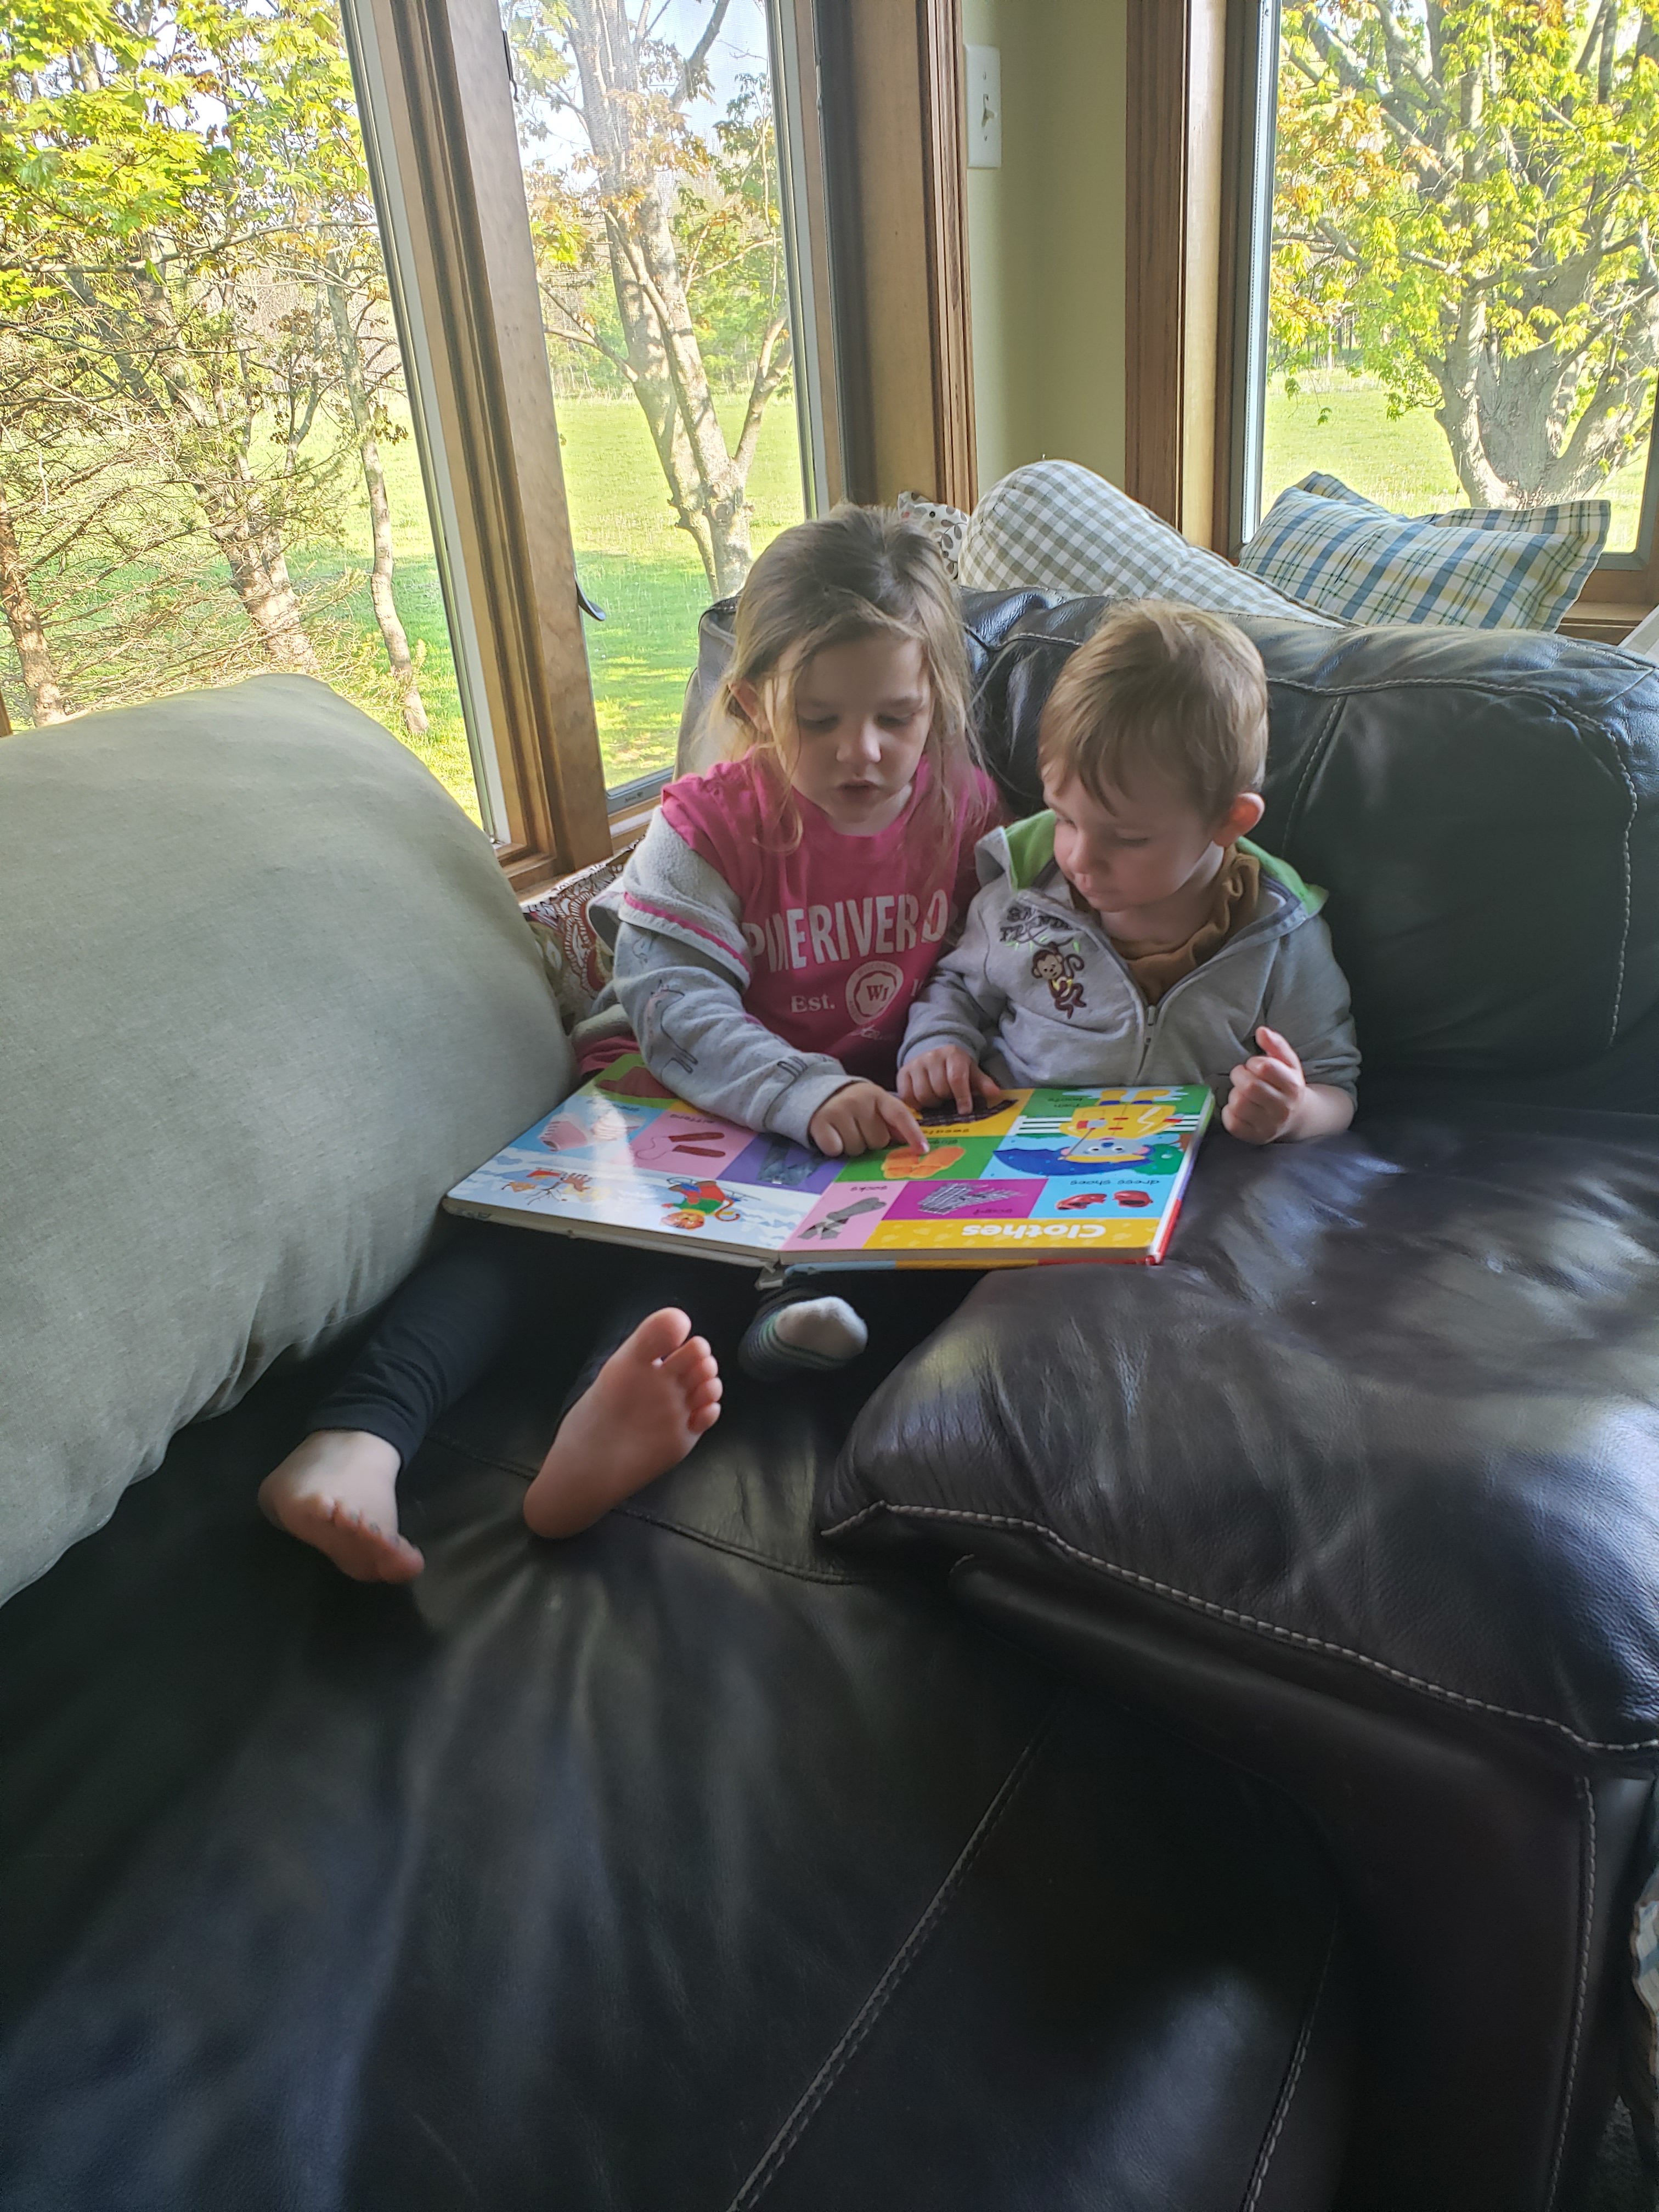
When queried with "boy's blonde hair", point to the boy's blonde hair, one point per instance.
{"points": [[1165, 690], [856, 572]]}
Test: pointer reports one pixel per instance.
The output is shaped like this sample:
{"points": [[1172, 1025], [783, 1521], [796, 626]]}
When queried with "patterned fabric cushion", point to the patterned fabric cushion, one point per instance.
{"points": [[944, 525], [1485, 568], [1056, 526], [571, 951]]}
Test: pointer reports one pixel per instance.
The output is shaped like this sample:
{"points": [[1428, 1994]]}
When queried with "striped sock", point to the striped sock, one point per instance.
{"points": [[801, 1336]]}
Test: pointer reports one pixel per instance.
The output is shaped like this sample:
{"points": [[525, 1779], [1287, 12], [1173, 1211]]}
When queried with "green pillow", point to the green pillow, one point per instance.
{"points": [[265, 995]]}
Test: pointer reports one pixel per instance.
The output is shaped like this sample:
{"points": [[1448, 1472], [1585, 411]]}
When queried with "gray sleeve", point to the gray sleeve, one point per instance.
{"points": [[687, 1015], [959, 1004], [1307, 1003]]}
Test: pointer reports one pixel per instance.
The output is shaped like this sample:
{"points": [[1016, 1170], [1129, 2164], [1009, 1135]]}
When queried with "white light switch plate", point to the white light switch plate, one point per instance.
{"points": [[984, 107]]}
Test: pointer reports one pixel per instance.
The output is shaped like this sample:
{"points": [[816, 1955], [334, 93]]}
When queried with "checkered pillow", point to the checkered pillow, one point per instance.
{"points": [[1485, 568], [1055, 526]]}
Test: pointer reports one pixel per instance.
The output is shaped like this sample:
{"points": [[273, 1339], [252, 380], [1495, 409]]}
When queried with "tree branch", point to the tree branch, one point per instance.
{"points": [[691, 68], [768, 375]]}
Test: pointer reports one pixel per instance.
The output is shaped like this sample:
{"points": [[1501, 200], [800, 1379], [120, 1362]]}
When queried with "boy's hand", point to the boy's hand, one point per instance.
{"points": [[944, 1072], [1268, 1094], [862, 1117]]}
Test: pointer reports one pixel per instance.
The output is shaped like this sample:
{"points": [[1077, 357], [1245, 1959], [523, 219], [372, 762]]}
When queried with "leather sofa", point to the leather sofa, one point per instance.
{"points": [[1209, 1767], [1362, 1488]]}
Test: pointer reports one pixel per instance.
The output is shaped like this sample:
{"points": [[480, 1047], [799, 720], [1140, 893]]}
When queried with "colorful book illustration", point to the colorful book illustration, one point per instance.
{"points": [[1031, 1178], [1035, 1177]]}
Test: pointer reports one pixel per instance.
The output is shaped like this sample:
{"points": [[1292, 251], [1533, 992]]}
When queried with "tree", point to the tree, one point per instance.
{"points": [[300, 139], [126, 242], [1474, 186], [666, 214], [188, 244], [370, 423], [29, 633]]}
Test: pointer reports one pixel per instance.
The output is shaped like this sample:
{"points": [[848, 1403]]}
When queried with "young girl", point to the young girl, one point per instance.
{"points": [[769, 935]]}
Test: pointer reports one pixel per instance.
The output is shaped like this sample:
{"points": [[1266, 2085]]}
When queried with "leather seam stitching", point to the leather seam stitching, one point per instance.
{"points": [[1287, 2094], [1494, 687], [1317, 752], [1235, 1619], [857, 2030], [1623, 940], [1586, 1929]]}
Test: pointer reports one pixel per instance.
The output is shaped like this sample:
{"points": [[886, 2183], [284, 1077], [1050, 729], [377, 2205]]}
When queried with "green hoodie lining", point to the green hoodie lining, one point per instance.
{"points": [[1032, 850]]}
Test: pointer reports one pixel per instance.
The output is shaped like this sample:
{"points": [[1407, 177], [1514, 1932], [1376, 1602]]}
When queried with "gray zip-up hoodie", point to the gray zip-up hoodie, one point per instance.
{"points": [[1035, 991]]}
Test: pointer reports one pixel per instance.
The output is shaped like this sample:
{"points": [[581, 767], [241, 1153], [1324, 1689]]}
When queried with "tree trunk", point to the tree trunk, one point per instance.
{"points": [[706, 486], [216, 471], [380, 576], [27, 632], [258, 568]]}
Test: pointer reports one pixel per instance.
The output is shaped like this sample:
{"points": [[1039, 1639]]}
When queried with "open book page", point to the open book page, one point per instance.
{"points": [[1040, 1176], [1051, 1174]]}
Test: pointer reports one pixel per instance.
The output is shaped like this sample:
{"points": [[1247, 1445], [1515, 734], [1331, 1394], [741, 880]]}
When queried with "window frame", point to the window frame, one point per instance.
{"points": [[1622, 588], [875, 204], [1175, 173], [435, 93]]}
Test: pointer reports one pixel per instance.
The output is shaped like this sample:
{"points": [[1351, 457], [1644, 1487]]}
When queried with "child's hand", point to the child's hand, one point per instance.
{"points": [[862, 1117], [1268, 1092], [944, 1072]]}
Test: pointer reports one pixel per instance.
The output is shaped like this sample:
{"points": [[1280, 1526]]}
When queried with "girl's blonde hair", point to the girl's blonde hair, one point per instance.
{"points": [[857, 572]]}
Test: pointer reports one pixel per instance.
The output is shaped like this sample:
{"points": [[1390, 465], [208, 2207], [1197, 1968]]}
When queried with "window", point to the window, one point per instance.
{"points": [[1448, 290], [283, 320], [207, 463], [649, 143]]}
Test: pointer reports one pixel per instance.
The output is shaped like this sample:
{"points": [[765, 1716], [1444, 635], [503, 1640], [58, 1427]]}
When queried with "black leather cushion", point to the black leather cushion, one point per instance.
{"points": [[685, 1865], [1484, 812], [1388, 1418]]}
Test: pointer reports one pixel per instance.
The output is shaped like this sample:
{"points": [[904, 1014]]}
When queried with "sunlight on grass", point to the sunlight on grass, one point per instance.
{"points": [[1405, 464], [633, 562]]}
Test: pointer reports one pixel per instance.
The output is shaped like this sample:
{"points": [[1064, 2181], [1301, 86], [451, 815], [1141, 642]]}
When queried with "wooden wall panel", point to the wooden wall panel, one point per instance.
{"points": [[1176, 348], [891, 108]]}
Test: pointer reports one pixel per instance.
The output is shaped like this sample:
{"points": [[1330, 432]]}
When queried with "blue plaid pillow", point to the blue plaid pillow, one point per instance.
{"points": [[1488, 568]]}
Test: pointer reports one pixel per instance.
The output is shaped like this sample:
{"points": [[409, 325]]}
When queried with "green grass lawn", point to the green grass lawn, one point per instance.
{"points": [[1405, 464], [633, 562]]}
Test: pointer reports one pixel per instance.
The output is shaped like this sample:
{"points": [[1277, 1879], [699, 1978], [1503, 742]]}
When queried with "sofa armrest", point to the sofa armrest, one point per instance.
{"points": [[1385, 1423]]}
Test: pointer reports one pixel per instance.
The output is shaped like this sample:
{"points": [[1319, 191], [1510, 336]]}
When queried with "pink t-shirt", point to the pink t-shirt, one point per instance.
{"points": [[842, 931]]}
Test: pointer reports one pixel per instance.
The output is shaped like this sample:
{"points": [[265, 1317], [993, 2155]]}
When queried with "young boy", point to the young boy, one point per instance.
{"points": [[1133, 934]]}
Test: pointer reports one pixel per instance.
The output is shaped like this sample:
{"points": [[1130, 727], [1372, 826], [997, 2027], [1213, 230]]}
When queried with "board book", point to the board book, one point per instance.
{"points": [[1034, 1176]]}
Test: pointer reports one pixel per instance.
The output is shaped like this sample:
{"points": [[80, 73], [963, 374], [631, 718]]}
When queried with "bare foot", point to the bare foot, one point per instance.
{"points": [[338, 1491], [640, 1416]]}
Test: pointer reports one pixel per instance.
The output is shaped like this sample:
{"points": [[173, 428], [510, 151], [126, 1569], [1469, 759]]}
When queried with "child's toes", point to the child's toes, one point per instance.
{"points": [[692, 1355], [660, 1335]]}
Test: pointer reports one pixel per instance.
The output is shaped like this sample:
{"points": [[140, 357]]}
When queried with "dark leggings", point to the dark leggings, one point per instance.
{"points": [[491, 1286]]}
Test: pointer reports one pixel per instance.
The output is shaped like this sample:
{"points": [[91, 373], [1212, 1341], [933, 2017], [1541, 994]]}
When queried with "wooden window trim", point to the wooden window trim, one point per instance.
{"points": [[883, 151], [449, 128], [1174, 387], [892, 102]]}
